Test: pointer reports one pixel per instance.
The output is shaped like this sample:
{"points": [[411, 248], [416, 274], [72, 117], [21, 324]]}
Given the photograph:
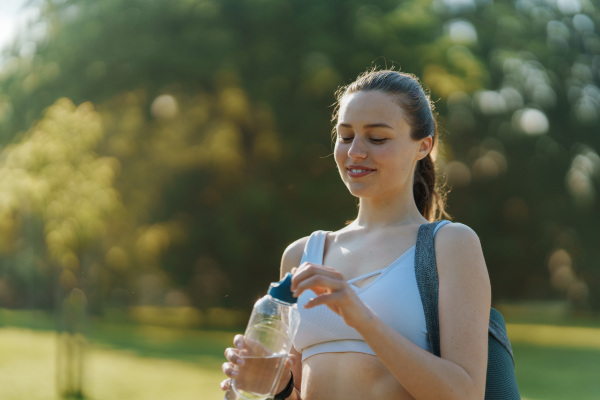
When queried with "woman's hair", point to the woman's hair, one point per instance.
{"points": [[417, 106]]}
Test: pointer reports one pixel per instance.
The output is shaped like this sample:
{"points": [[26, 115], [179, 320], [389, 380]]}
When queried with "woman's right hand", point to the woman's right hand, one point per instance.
{"points": [[245, 375], [234, 361]]}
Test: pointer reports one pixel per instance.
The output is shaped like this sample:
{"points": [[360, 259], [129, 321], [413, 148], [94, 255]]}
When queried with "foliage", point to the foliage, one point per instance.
{"points": [[53, 185], [206, 149], [529, 140]]}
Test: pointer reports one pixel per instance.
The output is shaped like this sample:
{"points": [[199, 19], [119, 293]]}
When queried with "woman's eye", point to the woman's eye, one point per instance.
{"points": [[378, 141], [345, 139]]}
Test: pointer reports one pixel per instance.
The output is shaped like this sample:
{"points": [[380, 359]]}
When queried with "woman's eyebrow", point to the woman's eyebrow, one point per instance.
{"points": [[367, 126]]}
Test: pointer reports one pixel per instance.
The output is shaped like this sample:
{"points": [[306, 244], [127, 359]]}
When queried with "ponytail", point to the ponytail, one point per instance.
{"points": [[428, 198]]}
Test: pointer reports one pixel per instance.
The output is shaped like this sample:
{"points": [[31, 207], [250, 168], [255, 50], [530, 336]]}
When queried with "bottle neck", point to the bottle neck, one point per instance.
{"points": [[283, 303]]}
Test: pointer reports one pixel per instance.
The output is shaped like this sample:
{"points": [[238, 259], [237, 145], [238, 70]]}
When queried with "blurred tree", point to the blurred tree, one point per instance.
{"points": [[218, 115], [529, 143], [57, 195]]}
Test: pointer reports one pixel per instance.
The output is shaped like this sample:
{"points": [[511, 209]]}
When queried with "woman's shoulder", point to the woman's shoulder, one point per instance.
{"points": [[459, 254], [456, 235], [292, 255]]}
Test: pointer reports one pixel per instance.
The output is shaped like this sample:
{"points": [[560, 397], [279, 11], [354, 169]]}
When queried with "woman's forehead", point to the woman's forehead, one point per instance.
{"points": [[369, 106]]}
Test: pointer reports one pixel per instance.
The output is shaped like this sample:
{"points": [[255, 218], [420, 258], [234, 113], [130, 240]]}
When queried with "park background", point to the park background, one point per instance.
{"points": [[156, 158]]}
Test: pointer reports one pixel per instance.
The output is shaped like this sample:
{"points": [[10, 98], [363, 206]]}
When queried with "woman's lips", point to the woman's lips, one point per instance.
{"points": [[357, 172]]}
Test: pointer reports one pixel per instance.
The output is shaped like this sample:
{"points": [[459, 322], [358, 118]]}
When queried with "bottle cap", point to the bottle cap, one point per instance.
{"points": [[282, 290]]}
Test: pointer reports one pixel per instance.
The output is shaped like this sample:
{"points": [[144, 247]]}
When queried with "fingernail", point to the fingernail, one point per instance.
{"points": [[241, 361], [238, 344], [234, 373]]}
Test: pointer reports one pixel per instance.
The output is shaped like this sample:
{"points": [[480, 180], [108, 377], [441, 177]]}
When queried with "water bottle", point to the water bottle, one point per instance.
{"points": [[267, 343]]}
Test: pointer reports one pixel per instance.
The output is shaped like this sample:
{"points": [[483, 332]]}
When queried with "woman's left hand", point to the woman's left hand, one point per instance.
{"points": [[332, 290]]}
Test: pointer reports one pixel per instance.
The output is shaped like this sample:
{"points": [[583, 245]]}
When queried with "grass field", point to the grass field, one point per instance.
{"points": [[131, 362]]}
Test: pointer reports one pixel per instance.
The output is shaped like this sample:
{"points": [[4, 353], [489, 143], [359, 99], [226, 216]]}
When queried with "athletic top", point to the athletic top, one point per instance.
{"points": [[393, 296]]}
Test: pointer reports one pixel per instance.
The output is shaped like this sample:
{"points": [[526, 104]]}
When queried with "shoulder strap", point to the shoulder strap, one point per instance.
{"points": [[313, 250], [427, 281], [497, 329]]}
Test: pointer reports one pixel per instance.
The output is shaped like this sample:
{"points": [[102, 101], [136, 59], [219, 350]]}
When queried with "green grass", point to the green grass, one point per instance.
{"points": [[557, 361], [122, 360], [28, 367], [129, 361], [554, 373]]}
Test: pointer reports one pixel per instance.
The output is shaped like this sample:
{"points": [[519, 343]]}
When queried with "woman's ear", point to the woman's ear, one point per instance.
{"points": [[425, 146]]}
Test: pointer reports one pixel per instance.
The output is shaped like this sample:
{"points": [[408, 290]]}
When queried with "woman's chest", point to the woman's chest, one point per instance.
{"points": [[359, 258]]}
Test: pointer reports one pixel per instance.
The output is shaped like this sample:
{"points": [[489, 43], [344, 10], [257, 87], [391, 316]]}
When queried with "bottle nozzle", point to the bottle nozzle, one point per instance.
{"points": [[282, 290]]}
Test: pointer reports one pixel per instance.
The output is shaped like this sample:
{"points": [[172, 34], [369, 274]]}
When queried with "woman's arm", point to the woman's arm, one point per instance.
{"points": [[289, 262], [464, 304]]}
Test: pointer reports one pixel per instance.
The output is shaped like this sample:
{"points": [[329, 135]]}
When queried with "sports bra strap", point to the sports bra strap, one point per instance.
{"points": [[365, 276], [439, 225], [315, 246]]}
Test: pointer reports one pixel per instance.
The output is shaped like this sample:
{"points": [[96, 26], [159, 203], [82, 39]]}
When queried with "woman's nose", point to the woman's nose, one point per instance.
{"points": [[357, 149]]}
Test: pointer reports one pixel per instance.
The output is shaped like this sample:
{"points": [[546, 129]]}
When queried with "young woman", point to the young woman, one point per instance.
{"points": [[362, 333]]}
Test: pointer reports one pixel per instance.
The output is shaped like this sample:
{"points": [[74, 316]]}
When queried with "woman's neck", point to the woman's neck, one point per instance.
{"points": [[394, 211]]}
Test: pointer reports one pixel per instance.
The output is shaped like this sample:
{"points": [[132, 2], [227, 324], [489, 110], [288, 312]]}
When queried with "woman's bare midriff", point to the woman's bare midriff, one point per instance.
{"points": [[349, 376]]}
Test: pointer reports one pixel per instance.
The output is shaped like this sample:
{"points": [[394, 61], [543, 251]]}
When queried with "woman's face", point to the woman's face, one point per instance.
{"points": [[374, 152]]}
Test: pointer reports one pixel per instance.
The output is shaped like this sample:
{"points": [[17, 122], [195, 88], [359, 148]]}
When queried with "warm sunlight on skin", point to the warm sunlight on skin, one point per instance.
{"points": [[345, 251], [374, 152]]}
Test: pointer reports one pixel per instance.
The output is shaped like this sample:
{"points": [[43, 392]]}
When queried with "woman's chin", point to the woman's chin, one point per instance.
{"points": [[358, 190]]}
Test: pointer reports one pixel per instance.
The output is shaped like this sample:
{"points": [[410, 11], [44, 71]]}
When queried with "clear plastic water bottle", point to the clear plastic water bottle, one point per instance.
{"points": [[267, 343]]}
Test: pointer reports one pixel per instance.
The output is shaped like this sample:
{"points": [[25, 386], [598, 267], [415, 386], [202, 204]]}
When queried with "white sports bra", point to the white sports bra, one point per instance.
{"points": [[393, 296]]}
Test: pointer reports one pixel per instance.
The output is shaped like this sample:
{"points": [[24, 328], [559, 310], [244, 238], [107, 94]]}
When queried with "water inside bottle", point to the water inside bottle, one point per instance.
{"points": [[255, 379]]}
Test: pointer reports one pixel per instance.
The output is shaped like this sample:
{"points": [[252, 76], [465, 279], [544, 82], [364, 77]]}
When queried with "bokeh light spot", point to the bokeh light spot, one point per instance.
{"points": [[458, 173], [490, 102], [583, 23], [530, 121], [568, 7], [164, 106], [461, 31], [490, 165]]}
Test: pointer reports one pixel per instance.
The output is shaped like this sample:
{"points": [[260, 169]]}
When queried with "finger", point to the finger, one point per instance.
{"points": [[291, 361], [253, 347], [320, 284], [232, 355], [238, 341], [324, 299], [311, 266], [225, 384], [308, 270], [229, 369]]}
